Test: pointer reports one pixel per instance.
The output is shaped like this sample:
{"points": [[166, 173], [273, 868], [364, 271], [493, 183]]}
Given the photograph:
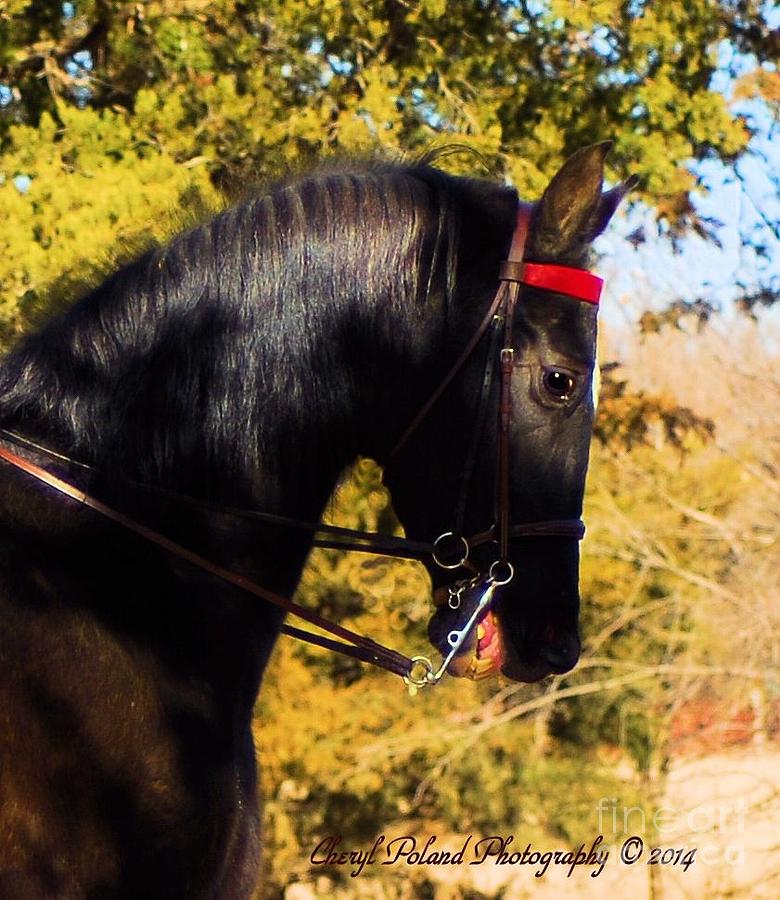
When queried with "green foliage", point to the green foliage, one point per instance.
{"points": [[94, 188]]}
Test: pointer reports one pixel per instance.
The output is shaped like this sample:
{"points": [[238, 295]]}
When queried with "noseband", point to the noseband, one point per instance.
{"points": [[450, 550]]}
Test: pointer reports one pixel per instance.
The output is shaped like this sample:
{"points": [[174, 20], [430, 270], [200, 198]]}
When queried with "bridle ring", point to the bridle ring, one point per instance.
{"points": [[436, 550], [510, 573], [420, 671]]}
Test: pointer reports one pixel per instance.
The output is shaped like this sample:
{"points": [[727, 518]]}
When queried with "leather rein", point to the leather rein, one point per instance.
{"points": [[450, 550]]}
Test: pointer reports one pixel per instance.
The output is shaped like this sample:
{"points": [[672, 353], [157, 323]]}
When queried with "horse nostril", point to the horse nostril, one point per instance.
{"points": [[561, 655]]}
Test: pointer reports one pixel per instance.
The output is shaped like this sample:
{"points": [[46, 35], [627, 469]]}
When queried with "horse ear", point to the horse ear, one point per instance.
{"points": [[609, 203], [573, 210]]}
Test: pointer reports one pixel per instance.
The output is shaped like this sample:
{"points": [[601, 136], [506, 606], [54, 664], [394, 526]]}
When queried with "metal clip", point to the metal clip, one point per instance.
{"points": [[422, 672], [456, 594], [419, 674]]}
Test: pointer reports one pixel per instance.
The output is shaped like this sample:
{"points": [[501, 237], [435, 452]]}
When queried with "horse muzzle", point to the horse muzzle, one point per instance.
{"points": [[499, 642]]}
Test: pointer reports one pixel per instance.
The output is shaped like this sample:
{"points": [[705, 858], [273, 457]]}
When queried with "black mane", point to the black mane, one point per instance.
{"points": [[145, 370]]}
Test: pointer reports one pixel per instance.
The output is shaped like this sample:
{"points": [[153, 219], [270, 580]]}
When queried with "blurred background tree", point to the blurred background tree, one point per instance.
{"points": [[121, 122]]}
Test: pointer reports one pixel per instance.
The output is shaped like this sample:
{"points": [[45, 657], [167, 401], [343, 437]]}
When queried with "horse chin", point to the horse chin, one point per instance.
{"points": [[549, 660], [514, 667], [522, 672]]}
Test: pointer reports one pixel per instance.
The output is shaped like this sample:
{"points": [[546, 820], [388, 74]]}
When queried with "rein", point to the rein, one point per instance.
{"points": [[450, 550]]}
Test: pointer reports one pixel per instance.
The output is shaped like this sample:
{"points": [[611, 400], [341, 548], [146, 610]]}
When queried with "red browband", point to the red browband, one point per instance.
{"points": [[577, 283], [562, 279]]}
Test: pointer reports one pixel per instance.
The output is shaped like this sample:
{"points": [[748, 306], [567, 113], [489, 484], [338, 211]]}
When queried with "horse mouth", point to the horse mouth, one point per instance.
{"points": [[485, 655], [487, 651], [491, 654], [482, 653]]}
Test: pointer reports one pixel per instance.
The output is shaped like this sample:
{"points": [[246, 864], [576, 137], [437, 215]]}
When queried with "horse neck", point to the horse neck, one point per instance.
{"points": [[248, 403], [218, 401]]}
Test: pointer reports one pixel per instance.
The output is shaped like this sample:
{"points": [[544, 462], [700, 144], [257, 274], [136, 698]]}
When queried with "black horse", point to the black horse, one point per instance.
{"points": [[247, 363]]}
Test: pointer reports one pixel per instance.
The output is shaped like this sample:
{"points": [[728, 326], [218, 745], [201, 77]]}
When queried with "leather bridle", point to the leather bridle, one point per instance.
{"points": [[451, 550], [498, 321]]}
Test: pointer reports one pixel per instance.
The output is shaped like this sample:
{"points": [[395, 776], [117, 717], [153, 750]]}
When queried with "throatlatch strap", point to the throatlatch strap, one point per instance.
{"points": [[467, 351], [479, 425]]}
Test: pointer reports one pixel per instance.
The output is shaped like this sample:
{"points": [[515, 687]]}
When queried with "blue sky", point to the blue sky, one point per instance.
{"points": [[652, 274]]}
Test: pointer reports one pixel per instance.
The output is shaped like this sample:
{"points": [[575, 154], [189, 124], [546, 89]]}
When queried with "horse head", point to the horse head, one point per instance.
{"points": [[444, 478]]}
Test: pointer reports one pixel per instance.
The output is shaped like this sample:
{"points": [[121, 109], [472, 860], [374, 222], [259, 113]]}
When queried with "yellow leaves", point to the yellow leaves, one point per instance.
{"points": [[374, 577], [353, 131], [710, 122], [584, 14], [14, 7], [434, 9], [88, 191], [371, 118], [526, 176], [760, 83]]}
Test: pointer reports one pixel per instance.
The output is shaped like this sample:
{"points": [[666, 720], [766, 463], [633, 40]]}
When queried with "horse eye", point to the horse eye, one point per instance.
{"points": [[558, 384]]}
